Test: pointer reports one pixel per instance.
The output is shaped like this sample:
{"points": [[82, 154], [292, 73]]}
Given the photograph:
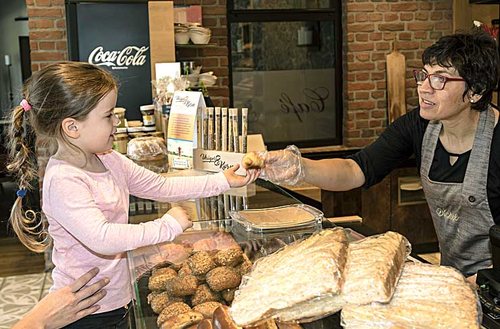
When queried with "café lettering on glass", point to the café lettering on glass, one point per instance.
{"points": [[128, 56], [315, 102]]}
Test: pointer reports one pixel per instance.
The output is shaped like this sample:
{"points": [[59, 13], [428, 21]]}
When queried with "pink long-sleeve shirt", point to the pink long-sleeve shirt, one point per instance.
{"points": [[88, 218]]}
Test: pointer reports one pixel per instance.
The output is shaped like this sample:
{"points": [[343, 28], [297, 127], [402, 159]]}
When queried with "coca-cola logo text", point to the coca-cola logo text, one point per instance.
{"points": [[128, 56]]}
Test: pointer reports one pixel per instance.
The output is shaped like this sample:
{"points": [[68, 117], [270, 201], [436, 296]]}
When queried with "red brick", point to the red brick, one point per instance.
{"points": [[391, 17], [375, 36], [360, 142], [30, 2], [408, 54], [222, 2], [368, 133], [443, 25], [58, 3], [47, 56], [360, 46], [350, 125], [46, 35], [375, 17], [383, 7], [378, 94], [222, 42], [362, 76], [363, 57], [378, 56], [35, 67], [209, 2], [444, 5], [214, 11], [436, 35], [351, 96], [378, 113], [391, 27], [426, 44], [426, 5], [47, 45], [422, 16], [378, 76], [192, 2], [33, 45], [405, 36], [419, 26], [33, 12], [45, 23], [215, 51], [219, 92], [360, 124], [360, 66], [381, 85], [350, 58], [362, 95], [351, 7], [223, 61], [408, 45], [353, 133], [210, 21], [32, 25], [420, 35], [352, 86], [61, 23], [351, 77], [389, 36], [404, 7], [361, 17], [351, 18], [43, 3], [221, 72], [362, 115], [369, 27], [375, 123], [406, 17], [61, 45], [383, 45], [219, 31]]}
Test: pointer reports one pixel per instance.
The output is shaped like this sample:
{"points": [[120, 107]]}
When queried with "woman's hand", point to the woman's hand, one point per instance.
{"points": [[181, 216], [66, 305], [235, 180]]}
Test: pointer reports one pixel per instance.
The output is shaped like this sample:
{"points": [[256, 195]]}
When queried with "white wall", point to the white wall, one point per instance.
{"points": [[10, 31]]}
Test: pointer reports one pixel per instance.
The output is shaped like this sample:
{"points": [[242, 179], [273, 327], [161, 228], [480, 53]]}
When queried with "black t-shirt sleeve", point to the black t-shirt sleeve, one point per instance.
{"points": [[396, 144]]}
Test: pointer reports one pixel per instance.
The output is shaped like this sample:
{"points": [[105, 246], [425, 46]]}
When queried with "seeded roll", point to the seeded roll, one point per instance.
{"points": [[228, 294], [159, 300], [182, 286], [207, 309], [183, 321], [229, 257], [172, 310], [201, 263], [204, 294], [185, 270], [160, 277], [223, 277]]}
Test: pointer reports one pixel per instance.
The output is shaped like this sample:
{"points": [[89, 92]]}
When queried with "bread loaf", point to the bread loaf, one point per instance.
{"points": [[182, 321], [427, 297], [295, 274], [373, 267]]}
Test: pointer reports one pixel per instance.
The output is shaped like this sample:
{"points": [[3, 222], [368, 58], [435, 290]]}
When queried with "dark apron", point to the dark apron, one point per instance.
{"points": [[460, 211]]}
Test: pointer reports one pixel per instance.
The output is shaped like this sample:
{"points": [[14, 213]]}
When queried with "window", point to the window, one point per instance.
{"points": [[286, 68]]}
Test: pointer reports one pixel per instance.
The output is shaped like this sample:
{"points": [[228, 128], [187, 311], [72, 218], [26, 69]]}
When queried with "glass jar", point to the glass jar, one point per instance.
{"points": [[120, 114], [120, 143], [148, 115]]}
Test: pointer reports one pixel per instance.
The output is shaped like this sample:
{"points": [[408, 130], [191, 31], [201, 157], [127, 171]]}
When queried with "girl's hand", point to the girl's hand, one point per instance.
{"points": [[237, 180], [66, 305], [181, 216]]}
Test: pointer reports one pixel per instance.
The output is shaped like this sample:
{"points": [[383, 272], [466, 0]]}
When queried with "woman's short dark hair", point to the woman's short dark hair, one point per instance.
{"points": [[474, 54]]}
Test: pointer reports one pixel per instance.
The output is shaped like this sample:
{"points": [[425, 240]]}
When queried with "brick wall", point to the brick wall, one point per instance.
{"points": [[369, 28]]}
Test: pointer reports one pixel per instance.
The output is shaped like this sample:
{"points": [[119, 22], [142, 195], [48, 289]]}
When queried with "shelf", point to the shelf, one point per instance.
{"points": [[189, 45]]}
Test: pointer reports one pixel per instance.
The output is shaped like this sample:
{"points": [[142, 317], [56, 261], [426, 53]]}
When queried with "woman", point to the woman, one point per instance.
{"points": [[454, 136]]}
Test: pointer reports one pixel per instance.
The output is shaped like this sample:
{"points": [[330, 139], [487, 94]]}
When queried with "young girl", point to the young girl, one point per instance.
{"points": [[85, 193]]}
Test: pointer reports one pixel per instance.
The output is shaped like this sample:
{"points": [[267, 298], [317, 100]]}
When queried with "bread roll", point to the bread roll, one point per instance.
{"points": [[201, 262], [222, 320], [229, 257], [159, 278], [182, 286], [204, 294], [185, 270], [182, 321], [228, 294], [172, 310], [223, 277], [252, 161], [205, 324], [207, 309], [282, 325]]}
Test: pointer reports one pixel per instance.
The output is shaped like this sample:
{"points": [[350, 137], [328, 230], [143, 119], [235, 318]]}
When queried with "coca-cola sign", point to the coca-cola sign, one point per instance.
{"points": [[119, 59]]}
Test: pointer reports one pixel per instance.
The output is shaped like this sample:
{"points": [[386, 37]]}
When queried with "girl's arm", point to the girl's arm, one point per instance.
{"points": [[83, 219]]}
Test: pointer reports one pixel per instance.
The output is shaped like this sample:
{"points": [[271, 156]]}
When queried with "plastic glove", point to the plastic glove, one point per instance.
{"points": [[283, 166]]}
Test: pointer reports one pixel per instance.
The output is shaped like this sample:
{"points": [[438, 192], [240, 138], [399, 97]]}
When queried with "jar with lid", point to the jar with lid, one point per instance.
{"points": [[120, 114], [148, 115], [120, 143]]}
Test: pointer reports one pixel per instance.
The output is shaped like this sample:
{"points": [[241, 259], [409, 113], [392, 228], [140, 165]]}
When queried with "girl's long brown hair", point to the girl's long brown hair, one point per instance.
{"points": [[60, 90]]}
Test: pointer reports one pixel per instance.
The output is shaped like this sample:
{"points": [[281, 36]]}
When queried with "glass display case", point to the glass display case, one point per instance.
{"points": [[204, 235]]}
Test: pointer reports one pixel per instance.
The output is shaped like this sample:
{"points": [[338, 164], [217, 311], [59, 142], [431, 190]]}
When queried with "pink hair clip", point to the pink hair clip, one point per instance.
{"points": [[25, 105]]}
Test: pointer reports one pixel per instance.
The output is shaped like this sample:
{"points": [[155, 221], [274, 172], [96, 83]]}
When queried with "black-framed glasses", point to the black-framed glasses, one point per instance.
{"points": [[436, 81]]}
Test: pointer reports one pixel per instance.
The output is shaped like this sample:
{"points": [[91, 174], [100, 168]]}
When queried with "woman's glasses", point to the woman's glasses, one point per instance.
{"points": [[436, 81]]}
